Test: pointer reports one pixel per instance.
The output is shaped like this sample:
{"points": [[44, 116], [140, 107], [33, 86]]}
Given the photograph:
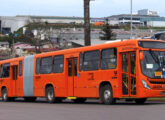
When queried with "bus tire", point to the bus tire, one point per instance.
{"points": [[80, 100], [140, 101], [50, 94], [107, 95], [5, 97]]}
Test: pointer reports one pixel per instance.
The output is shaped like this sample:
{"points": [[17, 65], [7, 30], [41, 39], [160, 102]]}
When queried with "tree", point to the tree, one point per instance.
{"points": [[107, 33], [35, 34]]}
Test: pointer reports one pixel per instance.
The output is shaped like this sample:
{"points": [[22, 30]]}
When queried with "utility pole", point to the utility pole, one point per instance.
{"points": [[131, 22], [87, 22]]}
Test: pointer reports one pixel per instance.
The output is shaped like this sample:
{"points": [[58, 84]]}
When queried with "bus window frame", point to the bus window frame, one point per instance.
{"points": [[40, 64], [84, 60], [101, 58], [81, 61], [36, 66], [2, 66], [53, 68], [21, 68]]}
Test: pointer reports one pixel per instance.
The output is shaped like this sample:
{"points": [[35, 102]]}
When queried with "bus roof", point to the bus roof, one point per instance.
{"points": [[132, 43], [111, 44]]}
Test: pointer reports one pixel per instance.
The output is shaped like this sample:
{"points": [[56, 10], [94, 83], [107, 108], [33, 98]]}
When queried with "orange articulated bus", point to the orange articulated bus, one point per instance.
{"points": [[131, 69]]}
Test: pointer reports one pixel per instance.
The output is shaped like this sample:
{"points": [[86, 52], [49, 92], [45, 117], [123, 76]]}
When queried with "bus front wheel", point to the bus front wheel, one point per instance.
{"points": [[50, 95], [106, 95]]}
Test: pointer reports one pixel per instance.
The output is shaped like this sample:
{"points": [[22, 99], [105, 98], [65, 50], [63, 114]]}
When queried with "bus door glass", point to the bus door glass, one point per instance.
{"points": [[72, 75], [129, 74], [15, 76]]}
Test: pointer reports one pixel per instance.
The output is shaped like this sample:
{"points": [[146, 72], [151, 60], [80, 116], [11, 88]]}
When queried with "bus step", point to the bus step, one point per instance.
{"points": [[71, 98]]}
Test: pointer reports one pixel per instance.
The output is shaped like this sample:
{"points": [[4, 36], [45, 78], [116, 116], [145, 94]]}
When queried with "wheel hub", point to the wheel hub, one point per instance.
{"points": [[5, 96], [50, 95], [107, 94]]}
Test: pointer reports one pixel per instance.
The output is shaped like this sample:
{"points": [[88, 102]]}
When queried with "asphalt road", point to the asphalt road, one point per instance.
{"points": [[91, 110]]}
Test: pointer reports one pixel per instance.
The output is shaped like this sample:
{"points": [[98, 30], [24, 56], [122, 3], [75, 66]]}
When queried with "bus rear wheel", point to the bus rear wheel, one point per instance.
{"points": [[140, 101], [106, 95], [5, 97], [50, 95]]}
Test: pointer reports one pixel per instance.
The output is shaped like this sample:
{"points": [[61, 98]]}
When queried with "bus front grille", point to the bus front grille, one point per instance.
{"points": [[157, 82]]}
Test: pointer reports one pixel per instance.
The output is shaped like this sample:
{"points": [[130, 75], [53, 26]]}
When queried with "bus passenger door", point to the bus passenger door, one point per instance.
{"points": [[14, 79], [129, 74], [72, 75]]}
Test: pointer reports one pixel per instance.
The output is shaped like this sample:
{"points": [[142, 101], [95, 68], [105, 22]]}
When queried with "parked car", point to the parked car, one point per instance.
{"points": [[159, 36]]}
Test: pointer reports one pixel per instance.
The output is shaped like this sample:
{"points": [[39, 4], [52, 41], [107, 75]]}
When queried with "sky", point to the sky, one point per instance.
{"points": [[98, 8]]}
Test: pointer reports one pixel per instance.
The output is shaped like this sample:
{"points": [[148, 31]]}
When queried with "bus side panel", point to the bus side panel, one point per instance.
{"points": [[112, 78], [9, 84], [5, 82], [28, 76], [57, 80], [19, 87], [87, 84], [60, 85]]}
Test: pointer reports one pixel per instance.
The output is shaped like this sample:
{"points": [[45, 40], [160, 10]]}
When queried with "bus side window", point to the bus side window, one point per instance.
{"points": [[109, 58], [46, 65], [6, 70], [37, 65], [80, 61], [58, 64], [75, 67], [70, 71], [20, 68], [91, 60]]}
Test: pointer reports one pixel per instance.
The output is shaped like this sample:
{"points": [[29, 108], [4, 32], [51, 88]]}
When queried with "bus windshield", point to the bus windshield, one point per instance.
{"points": [[152, 44], [153, 65]]}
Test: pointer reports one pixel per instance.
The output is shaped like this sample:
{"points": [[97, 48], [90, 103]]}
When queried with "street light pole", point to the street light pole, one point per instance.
{"points": [[131, 22], [87, 22]]}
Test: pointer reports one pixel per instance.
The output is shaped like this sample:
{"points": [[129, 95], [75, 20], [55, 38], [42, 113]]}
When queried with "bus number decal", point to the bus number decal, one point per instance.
{"points": [[91, 76]]}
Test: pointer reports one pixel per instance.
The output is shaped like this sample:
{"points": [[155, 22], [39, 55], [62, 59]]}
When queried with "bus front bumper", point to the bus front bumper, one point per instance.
{"points": [[152, 93]]}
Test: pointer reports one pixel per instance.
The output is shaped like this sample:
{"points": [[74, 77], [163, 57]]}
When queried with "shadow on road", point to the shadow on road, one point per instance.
{"points": [[88, 102]]}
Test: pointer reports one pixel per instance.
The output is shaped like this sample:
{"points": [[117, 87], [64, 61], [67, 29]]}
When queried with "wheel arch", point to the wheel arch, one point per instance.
{"points": [[48, 85], [2, 88], [103, 83]]}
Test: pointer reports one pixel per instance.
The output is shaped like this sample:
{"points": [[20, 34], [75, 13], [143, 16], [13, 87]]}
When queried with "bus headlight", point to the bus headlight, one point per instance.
{"points": [[145, 84]]}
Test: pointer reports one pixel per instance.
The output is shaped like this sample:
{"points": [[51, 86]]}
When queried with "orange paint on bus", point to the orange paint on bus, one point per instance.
{"points": [[85, 83]]}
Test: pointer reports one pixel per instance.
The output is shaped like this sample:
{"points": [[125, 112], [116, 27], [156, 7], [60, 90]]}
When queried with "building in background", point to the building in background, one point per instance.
{"points": [[144, 17], [10, 24], [147, 12], [154, 21]]}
